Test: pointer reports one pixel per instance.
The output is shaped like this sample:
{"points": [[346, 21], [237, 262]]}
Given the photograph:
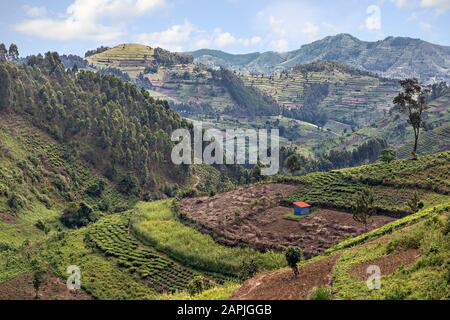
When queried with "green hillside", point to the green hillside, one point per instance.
{"points": [[95, 114], [188, 86], [334, 91]]}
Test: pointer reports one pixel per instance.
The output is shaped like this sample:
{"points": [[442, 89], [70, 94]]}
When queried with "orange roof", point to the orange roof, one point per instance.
{"points": [[302, 204]]}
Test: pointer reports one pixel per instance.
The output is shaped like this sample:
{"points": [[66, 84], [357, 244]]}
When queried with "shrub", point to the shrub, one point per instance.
{"points": [[293, 257], [128, 185], [248, 268], [16, 202], [42, 226], [197, 285], [78, 216], [320, 293], [96, 189]]}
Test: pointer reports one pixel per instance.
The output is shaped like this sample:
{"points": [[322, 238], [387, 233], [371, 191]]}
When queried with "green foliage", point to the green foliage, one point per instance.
{"points": [[249, 269], [96, 188], [197, 285], [293, 256], [293, 163], [96, 114], [388, 155], [155, 224], [77, 216], [321, 293], [415, 204], [16, 202], [364, 207], [426, 278], [128, 185], [250, 101], [110, 235], [413, 102]]}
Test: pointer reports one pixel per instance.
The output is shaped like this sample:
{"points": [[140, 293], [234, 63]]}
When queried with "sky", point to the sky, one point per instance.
{"points": [[236, 26]]}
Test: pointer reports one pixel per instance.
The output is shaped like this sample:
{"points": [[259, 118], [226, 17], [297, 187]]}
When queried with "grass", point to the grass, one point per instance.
{"points": [[111, 236], [154, 224], [427, 278], [100, 276], [217, 293], [394, 184]]}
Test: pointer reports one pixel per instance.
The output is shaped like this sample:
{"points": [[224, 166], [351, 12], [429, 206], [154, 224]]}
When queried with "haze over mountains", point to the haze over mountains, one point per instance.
{"points": [[393, 57]]}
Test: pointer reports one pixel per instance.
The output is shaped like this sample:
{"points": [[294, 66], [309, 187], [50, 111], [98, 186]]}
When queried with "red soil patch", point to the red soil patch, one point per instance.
{"points": [[7, 218], [52, 288], [282, 285], [388, 263], [253, 217]]}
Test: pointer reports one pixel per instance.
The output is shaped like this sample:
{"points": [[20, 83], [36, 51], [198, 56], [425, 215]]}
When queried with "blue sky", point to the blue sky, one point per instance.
{"points": [[237, 26]]}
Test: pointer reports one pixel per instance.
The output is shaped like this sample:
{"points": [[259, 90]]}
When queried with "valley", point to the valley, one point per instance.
{"points": [[87, 180]]}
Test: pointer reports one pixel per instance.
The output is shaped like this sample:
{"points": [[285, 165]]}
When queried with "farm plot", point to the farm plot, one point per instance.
{"points": [[253, 217], [111, 236]]}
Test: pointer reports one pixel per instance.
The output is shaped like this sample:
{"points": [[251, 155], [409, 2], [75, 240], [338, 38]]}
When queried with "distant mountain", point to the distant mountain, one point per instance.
{"points": [[393, 57]]}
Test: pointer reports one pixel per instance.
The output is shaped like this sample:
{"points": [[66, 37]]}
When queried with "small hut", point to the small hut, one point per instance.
{"points": [[301, 208]]}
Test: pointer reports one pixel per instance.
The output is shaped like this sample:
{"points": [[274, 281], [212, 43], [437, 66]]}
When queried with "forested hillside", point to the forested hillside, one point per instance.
{"points": [[117, 128]]}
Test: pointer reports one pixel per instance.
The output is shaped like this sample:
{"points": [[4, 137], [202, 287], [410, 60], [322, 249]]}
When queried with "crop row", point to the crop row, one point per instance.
{"points": [[111, 236]]}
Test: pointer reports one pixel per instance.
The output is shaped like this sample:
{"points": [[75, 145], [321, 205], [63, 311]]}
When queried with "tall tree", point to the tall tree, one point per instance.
{"points": [[13, 52], [364, 208], [413, 102], [3, 52]]}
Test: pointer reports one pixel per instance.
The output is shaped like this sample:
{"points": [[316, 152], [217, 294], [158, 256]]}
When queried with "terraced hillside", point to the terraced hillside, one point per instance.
{"points": [[342, 93], [260, 216], [176, 78], [394, 129]]}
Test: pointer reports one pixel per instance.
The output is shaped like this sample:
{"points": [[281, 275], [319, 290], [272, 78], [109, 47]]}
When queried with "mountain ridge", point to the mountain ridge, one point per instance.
{"points": [[393, 57]]}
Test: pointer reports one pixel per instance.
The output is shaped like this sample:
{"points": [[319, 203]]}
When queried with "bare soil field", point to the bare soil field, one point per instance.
{"points": [[51, 288], [253, 217], [282, 285]]}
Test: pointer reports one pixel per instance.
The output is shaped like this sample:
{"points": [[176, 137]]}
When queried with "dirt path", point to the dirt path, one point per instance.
{"points": [[281, 284]]}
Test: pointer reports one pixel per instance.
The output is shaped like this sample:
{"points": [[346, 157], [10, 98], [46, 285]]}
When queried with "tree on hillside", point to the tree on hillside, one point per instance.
{"points": [[415, 204], [413, 102], [13, 52], [293, 256], [364, 207], [388, 155], [293, 163], [3, 52]]}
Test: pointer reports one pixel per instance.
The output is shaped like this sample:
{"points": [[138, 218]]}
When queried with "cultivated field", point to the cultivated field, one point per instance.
{"points": [[253, 216]]}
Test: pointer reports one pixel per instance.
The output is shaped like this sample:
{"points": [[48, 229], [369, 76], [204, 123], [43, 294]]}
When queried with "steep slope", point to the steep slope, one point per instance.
{"points": [[411, 252], [323, 91], [191, 89], [393, 57], [95, 115], [393, 127]]}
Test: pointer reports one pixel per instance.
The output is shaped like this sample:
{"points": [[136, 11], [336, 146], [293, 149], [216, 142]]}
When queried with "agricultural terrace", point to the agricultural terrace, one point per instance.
{"points": [[412, 254], [155, 224], [362, 97]]}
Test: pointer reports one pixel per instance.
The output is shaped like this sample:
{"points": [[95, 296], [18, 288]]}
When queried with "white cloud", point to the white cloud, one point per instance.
{"points": [[400, 3], [173, 38], [373, 21], [101, 20], [35, 11], [440, 5], [290, 22], [281, 45], [425, 26], [311, 30], [189, 37]]}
